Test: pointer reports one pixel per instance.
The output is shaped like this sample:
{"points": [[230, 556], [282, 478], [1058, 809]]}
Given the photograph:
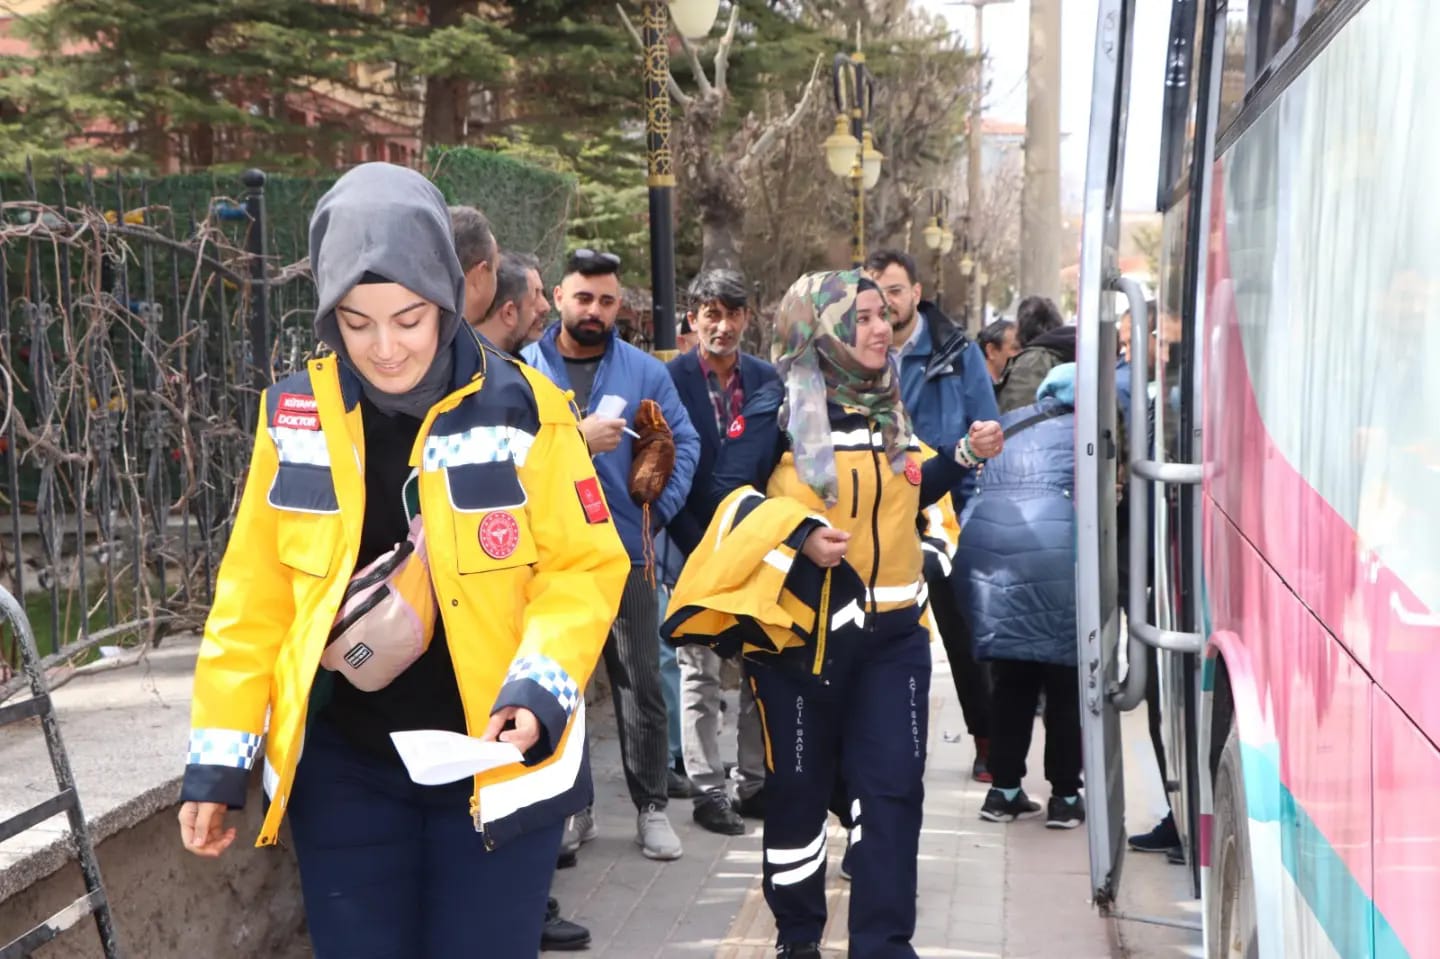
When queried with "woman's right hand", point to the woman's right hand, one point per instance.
{"points": [[202, 828], [825, 546]]}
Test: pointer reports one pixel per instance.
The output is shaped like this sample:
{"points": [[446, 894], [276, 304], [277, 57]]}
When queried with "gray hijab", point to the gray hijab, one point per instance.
{"points": [[391, 223]]}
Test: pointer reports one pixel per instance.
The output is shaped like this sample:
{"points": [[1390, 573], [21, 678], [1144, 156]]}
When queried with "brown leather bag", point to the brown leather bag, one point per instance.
{"points": [[650, 469]]}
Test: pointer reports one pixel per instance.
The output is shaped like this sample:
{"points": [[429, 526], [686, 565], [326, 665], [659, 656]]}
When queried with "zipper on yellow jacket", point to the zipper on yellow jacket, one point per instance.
{"points": [[822, 624]]}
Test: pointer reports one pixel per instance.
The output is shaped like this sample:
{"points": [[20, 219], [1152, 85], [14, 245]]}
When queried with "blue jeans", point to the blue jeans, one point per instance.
{"points": [[392, 870], [670, 685]]}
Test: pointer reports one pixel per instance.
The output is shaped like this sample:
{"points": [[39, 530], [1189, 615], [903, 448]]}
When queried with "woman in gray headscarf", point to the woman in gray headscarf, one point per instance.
{"points": [[422, 544]]}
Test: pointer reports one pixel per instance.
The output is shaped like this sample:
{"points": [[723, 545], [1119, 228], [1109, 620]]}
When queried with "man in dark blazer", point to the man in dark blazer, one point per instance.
{"points": [[713, 381]]}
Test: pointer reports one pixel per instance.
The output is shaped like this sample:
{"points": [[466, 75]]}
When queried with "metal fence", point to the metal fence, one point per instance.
{"points": [[135, 333]]}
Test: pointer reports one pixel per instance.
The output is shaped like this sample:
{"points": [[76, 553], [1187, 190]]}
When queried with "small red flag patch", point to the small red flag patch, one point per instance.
{"points": [[297, 412], [592, 501], [737, 428], [912, 471]]}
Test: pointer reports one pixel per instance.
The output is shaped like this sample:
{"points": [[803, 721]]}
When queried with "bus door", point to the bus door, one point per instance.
{"points": [[1114, 665], [1097, 448]]}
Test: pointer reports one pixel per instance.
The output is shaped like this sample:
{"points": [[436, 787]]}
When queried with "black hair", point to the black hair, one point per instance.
{"points": [[474, 240], [882, 259], [994, 333], [1036, 316], [512, 281], [725, 287], [589, 262]]}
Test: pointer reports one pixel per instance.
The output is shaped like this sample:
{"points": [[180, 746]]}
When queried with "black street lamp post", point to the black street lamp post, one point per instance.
{"points": [[694, 19]]}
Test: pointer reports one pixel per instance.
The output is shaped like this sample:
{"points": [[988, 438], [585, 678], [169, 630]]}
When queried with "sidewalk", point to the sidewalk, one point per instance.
{"points": [[1018, 891]]}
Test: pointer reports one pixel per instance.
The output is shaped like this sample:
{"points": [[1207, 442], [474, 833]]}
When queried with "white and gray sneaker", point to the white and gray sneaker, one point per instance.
{"points": [[583, 823], [655, 836]]}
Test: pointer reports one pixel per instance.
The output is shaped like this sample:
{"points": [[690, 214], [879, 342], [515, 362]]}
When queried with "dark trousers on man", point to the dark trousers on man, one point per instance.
{"points": [[868, 724], [632, 663], [1013, 699], [971, 677], [392, 870]]}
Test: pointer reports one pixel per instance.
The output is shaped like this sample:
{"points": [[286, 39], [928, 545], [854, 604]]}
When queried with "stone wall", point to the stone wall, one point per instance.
{"points": [[169, 904]]}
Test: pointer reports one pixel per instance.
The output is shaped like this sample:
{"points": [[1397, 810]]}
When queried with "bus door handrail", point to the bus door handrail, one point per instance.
{"points": [[1144, 471]]}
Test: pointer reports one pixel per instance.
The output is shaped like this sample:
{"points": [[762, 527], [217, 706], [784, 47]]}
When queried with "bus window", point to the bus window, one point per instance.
{"points": [[1277, 26], [1182, 65], [1234, 81]]}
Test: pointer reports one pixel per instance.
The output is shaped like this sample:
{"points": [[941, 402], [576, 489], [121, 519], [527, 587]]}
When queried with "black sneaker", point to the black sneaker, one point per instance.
{"points": [[999, 809], [798, 950], [1163, 838], [1064, 815], [561, 935], [715, 813], [752, 806]]}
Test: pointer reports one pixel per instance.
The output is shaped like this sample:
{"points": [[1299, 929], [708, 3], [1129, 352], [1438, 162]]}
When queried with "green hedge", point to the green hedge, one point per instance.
{"points": [[528, 206]]}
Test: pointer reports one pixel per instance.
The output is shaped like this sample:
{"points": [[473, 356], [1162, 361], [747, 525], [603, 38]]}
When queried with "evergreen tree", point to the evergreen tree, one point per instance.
{"points": [[191, 84]]}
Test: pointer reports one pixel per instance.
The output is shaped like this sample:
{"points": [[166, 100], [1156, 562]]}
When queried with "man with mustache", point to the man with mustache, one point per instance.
{"points": [[713, 382]]}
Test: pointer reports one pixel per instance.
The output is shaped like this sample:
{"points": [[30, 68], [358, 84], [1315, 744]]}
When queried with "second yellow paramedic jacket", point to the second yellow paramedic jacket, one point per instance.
{"points": [[525, 560]]}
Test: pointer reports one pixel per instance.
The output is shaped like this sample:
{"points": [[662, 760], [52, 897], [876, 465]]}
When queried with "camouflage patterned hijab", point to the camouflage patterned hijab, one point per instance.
{"points": [[814, 353]]}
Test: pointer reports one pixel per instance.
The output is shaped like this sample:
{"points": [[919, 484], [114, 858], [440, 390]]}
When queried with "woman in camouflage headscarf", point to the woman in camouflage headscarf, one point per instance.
{"points": [[813, 566], [831, 349]]}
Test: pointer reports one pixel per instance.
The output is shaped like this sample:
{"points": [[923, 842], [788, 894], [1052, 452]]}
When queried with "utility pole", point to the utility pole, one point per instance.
{"points": [[974, 167], [1040, 195]]}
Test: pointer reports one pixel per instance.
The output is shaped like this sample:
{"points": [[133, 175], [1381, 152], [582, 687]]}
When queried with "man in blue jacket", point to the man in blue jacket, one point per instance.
{"points": [[714, 381], [946, 387], [582, 353]]}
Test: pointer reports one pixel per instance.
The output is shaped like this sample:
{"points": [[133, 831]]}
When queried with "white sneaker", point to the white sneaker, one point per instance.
{"points": [[655, 836], [584, 825]]}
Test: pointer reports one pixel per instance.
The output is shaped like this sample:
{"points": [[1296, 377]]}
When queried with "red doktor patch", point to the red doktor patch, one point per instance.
{"points": [[912, 471], [592, 501], [499, 534], [737, 428], [297, 412]]}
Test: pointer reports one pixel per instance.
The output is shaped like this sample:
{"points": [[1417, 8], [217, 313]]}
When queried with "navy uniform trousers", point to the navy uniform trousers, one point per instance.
{"points": [[392, 870], [867, 721]]}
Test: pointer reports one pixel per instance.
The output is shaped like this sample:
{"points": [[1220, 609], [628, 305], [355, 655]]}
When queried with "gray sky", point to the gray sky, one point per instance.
{"points": [[1007, 27]]}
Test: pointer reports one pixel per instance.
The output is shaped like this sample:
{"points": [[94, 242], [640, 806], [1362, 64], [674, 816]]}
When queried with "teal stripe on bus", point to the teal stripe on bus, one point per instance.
{"points": [[1326, 883]]}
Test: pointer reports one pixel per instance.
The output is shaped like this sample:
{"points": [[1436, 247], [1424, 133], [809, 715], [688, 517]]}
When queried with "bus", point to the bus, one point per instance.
{"points": [[1286, 540]]}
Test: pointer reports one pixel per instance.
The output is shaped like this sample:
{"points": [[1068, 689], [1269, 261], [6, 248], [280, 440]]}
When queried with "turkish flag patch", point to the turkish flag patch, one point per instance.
{"points": [[737, 428], [592, 501], [499, 535], [297, 412], [912, 471]]}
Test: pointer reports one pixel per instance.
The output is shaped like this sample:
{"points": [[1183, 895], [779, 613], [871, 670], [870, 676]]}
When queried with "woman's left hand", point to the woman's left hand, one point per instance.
{"points": [[987, 439], [525, 734]]}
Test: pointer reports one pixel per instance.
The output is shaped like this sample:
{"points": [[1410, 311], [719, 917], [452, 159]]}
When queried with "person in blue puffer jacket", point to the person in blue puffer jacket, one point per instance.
{"points": [[1016, 561]]}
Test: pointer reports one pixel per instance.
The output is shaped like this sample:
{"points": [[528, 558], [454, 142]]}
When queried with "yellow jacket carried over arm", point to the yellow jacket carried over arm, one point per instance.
{"points": [[525, 561]]}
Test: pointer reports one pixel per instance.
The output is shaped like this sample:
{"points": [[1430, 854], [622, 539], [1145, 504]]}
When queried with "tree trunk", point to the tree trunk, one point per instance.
{"points": [[720, 238], [447, 99], [447, 105]]}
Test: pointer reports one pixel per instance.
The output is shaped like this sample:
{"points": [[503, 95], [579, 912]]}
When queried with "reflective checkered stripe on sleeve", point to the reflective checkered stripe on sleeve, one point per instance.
{"points": [[231, 748], [550, 676]]}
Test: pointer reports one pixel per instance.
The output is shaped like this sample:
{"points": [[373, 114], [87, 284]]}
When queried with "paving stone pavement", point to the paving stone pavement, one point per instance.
{"points": [[986, 890]]}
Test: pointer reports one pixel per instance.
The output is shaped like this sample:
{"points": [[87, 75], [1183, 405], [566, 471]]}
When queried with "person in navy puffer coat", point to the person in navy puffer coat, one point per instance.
{"points": [[1017, 563]]}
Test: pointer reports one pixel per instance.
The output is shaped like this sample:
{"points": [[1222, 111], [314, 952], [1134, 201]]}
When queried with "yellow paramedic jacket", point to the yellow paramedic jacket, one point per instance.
{"points": [[745, 588], [527, 568]]}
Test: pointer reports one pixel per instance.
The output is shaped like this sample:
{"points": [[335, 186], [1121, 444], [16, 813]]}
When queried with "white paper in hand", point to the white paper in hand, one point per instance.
{"points": [[610, 407], [434, 757]]}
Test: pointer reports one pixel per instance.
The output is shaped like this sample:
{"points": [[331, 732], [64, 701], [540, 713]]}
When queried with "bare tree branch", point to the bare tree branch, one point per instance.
{"points": [[767, 141], [701, 80], [679, 95], [722, 54]]}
